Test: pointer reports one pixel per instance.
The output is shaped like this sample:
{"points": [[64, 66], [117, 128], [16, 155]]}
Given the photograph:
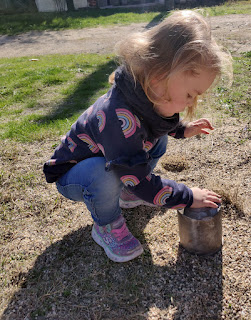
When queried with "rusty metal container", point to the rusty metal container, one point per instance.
{"points": [[200, 230]]}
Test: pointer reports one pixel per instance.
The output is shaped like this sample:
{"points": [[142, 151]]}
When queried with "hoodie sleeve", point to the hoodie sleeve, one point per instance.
{"points": [[178, 133], [122, 141]]}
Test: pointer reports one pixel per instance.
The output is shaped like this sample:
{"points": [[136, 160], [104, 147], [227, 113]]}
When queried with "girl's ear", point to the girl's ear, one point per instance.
{"points": [[154, 81]]}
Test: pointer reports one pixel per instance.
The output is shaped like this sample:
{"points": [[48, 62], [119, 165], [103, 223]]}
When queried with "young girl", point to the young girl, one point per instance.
{"points": [[107, 158]]}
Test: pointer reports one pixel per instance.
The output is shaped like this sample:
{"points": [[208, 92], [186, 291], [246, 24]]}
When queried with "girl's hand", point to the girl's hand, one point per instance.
{"points": [[197, 127], [205, 198]]}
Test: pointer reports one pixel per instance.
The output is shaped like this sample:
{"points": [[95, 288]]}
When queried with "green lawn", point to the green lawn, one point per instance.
{"points": [[14, 24], [230, 7], [41, 99]]}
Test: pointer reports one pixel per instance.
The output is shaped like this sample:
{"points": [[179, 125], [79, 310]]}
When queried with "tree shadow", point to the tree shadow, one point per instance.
{"points": [[157, 19], [73, 279], [80, 98]]}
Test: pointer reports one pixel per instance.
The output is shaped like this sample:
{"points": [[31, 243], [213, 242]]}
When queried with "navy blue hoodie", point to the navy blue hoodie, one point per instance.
{"points": [[123, 127]]}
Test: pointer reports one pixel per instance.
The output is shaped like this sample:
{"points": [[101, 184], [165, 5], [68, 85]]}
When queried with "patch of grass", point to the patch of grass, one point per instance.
{"points": [[230, 7], [24, 22], [43, 98], [230, 195], [247, 54], [236, 100], [14, 24]]}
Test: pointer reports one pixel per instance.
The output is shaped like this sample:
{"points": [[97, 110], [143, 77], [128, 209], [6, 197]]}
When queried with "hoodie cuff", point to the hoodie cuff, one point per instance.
{"points": [[178, 133]]}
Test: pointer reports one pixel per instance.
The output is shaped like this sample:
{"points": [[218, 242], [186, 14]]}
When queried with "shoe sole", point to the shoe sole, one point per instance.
{"points": [[110, 254]]}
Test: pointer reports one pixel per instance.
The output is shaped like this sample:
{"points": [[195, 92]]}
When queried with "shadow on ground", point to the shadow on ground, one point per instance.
{"points": [[80, 98], [73, 279]]}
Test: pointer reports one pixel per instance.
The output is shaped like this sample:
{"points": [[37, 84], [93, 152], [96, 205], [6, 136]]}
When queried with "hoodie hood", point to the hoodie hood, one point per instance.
{"points": [[136, 98]]}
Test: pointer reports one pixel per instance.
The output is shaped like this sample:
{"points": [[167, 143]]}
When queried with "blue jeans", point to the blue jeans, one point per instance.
{"points": [[89, 182]]}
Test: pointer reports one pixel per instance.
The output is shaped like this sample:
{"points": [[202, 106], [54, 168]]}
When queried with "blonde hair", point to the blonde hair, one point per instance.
{"points": [[181, 42]]}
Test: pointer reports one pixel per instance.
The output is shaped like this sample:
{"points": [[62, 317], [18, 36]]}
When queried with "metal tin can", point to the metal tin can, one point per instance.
{"points": [[200, 230]]}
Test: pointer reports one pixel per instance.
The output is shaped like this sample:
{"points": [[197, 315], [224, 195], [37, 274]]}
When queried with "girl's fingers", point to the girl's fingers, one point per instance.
{"points": [[213, 199], [214, 194], [204, 131], [216, 199], [204, 123], [211, 204]]}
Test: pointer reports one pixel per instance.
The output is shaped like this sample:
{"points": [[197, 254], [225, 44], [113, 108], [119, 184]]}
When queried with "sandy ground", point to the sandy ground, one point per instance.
{"points": [[234, 31]]}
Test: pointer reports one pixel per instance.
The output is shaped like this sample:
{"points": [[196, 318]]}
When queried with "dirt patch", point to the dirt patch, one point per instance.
{"points": [[232, 30], [51, 268]]}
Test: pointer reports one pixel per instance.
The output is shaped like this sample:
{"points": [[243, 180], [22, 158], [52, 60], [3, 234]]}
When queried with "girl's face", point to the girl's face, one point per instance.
{"points": [[181, 92]]}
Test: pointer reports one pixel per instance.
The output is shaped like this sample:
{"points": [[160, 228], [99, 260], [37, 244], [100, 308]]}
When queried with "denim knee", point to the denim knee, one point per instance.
{"points": [[160, 148], [158, 151], [88, 182]]}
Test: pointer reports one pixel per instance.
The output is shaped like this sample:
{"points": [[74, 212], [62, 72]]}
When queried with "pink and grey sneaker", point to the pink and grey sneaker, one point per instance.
{"points": [[128, 200], [118, 242]]}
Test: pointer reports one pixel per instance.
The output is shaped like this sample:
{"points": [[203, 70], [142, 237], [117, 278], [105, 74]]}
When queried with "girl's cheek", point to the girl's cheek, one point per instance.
{"points": [[179, 104]]}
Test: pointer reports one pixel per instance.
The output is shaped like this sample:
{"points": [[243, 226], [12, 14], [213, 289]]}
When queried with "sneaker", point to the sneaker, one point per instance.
{"points": [[128, 200], [118, 242]]}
